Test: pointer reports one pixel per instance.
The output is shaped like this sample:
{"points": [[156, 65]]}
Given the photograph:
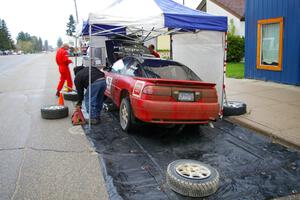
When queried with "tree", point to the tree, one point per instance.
{"points": [[71, 26], [231, 27], [40, 44], [46, 46], [28, 43], [26, 46], [235, 48], [35, 44], [59, 42], [6, 43]]}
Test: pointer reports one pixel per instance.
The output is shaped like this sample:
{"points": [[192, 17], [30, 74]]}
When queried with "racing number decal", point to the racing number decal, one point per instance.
{"points": [[108, 83], [138, 87]]}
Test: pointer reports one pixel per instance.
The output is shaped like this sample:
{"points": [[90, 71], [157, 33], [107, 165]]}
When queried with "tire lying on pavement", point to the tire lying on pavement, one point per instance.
{"points": [[232, 108], [54, 112], [70, 96], [192, 178]]}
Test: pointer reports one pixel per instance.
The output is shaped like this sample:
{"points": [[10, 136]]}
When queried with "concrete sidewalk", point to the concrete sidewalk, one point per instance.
{"points": [[272, 109]]}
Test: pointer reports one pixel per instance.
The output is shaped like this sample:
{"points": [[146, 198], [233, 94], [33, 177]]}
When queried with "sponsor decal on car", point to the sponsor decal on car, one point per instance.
{"points": [[108, 83], [138, 88]]}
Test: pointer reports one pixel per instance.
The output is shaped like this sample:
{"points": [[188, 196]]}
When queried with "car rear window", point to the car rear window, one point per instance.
{"points": [[165, 69]]}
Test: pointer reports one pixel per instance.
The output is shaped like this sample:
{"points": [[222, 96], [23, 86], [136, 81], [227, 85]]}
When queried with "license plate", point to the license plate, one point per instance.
{"points": [[186, 96]]}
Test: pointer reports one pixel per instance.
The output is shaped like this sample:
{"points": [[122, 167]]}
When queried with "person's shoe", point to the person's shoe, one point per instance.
{"points": [[57, 93]]}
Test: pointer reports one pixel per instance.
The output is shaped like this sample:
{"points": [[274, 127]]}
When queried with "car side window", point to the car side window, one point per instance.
{"points": [[120, 65], [134, 69]]}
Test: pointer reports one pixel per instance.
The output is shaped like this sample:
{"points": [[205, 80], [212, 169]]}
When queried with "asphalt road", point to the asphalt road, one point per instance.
{"points": [[41, 159], [13, 61]]}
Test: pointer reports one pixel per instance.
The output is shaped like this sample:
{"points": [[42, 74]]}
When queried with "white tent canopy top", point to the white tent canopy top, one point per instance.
{"points": [[150, 16]]}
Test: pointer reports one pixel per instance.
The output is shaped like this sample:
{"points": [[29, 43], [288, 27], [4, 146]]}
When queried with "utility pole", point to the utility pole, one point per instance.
{"points": [[75, 33], [77, 11], [183, 2]]}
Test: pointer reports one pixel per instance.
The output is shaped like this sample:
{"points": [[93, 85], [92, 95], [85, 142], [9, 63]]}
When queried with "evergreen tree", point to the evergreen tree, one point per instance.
{"points": [[46, 46], [71, 26], [23, 36], [35, 44], [40, 44], [2, 37], [59, 42], [6, 43]]}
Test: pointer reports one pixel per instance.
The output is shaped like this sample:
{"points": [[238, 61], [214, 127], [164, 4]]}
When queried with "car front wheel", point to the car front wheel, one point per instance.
{"points": [[125, 114]]}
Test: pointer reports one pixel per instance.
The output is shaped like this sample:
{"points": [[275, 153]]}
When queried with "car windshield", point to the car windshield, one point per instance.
{"points": [[166, 69]]}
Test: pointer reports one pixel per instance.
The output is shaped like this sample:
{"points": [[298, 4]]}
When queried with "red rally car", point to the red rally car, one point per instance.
{"points": [[159, 91]]}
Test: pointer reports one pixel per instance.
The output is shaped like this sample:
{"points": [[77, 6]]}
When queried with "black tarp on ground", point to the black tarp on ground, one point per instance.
{"points": [[250, 166]]}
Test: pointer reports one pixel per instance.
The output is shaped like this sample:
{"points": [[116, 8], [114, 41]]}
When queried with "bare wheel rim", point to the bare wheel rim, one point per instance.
{"points": [[234, 104], [53, 107], [124, 116], [193, 171], [71, 93]]}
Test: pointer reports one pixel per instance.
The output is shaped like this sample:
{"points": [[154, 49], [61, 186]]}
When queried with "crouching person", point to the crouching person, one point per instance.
{"points": [[98, 86]]}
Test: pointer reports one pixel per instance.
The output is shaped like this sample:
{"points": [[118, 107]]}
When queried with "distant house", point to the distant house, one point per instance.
{"points": [[233, 9], [272, 45]]}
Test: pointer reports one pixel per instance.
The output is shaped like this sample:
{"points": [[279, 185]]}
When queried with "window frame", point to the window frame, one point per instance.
{"points": [[259, 65]]}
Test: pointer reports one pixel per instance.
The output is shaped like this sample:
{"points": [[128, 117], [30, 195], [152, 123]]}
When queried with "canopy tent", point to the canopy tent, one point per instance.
{"points": [[150, 16], [160, 17]]}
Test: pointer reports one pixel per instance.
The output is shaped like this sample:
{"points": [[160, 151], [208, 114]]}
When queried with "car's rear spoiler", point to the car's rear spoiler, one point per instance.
{"points": [[176, 82]]}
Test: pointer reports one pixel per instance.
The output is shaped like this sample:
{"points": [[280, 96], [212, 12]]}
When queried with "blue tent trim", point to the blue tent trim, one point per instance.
{"points": [[179, 16], [96, 28]]}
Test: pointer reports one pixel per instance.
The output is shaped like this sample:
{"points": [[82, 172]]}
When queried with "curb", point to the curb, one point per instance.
{"points": [[290, 197], [262, 129]]}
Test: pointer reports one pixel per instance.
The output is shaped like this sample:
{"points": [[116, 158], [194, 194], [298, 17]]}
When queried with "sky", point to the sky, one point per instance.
{"points": [[48, 18]]}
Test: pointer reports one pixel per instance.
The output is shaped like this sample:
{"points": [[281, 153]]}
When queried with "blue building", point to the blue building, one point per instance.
{"points": [[272, 48]]}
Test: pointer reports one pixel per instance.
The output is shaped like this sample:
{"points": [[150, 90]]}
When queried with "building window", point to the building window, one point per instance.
{"points": [[269, 44]]}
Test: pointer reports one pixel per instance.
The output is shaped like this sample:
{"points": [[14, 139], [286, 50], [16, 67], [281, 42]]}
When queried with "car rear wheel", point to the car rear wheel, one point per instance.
{"points": [[125, 114]]}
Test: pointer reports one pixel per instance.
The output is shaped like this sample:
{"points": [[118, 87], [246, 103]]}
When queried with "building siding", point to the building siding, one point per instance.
{"points": [[214, 9], [265, 9]]}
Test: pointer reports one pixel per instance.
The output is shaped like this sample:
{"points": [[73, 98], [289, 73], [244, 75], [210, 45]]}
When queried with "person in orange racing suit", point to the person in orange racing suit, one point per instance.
{"points": [[63, 62]]}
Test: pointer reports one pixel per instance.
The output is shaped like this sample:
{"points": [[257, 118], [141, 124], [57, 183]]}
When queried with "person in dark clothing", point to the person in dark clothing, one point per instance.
{"points": [[98, 87]]}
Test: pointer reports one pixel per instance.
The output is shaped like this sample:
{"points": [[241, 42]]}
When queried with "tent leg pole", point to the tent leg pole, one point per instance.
{"points": [[224, 97], [76, 50], [90, 75], [171, 47]]}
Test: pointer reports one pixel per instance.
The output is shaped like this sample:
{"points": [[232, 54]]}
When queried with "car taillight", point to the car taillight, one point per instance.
{"points": [[157, 90]]}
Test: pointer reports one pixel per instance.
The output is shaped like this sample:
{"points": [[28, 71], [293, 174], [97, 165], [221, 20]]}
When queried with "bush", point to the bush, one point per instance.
{"points": [[235, 48]]}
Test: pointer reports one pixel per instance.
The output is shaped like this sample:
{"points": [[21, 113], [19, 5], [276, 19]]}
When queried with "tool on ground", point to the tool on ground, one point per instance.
{"points": [[61, 101], [77, 117]]}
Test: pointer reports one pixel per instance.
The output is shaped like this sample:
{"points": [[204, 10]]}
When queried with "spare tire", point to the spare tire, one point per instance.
{"points": [[70, 96], [54, 112], [192, 178], [232, 108]]}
